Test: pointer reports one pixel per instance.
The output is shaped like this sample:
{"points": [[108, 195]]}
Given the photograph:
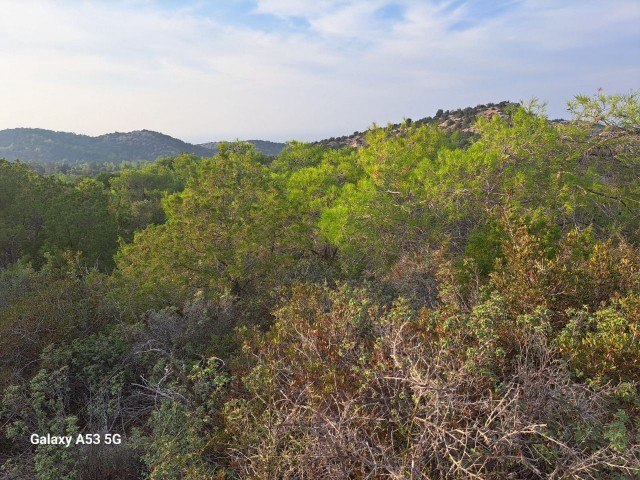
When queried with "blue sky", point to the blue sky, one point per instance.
{"points": [[300, 69]]}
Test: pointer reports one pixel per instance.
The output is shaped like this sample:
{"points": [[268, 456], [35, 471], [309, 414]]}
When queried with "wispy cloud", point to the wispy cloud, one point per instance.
{"points": [[292, 68]]}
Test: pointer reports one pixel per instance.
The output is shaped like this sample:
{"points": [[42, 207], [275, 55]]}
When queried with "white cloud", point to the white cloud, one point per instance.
{"points": [[298, 8]]}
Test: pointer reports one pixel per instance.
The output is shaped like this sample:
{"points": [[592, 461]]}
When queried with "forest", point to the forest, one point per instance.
{"points": [[419, 307]]}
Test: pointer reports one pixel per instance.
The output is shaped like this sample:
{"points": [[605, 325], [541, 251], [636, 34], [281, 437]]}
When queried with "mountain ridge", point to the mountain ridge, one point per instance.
{"points": [[40, 145], [48, 146]]}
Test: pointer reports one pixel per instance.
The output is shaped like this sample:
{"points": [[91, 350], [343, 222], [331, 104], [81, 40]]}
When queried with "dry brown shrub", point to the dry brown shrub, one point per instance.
{"points": [[390, 404]]}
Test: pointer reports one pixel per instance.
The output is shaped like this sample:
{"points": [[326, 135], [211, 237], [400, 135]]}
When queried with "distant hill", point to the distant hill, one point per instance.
{"points": [[46, 146]]}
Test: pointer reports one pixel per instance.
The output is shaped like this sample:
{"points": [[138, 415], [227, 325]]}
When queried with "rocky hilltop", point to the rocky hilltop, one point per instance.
{"points": [[461, 120]]}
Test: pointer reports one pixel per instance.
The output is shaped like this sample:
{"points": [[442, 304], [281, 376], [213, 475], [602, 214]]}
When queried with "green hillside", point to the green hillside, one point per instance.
{"points": [[34, 145]]}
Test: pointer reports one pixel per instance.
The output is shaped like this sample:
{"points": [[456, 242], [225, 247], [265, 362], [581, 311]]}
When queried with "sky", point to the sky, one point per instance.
{"points": [[300, 69]]}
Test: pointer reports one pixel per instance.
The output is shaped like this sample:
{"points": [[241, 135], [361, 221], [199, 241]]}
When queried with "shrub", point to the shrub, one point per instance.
{"points": [[343, 387]]}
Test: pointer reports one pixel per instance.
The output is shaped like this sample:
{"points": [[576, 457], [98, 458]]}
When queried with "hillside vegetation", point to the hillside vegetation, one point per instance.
{"points": [[62, 151], [48, 151], [422, 306], [460, 121]]}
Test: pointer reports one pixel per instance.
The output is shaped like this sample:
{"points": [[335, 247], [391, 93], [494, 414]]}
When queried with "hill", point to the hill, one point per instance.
{"points": [[461, 120], [47, 146]]}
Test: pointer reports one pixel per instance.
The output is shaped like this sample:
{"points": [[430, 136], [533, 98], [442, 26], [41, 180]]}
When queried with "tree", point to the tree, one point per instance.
{"points": [[79, 219], [222, 234]]}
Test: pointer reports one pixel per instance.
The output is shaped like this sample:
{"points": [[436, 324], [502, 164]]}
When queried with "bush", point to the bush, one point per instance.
{"points": [[604, 345], [345, 388]]}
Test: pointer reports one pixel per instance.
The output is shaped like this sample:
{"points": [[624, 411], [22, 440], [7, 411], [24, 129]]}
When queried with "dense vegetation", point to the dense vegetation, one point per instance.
{"points": [[460, 122], [47, 151], [46, 146], [419, 307]]}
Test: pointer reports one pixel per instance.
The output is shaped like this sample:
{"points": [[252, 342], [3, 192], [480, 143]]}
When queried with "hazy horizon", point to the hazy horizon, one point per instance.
{"points": [[291, 69]]}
